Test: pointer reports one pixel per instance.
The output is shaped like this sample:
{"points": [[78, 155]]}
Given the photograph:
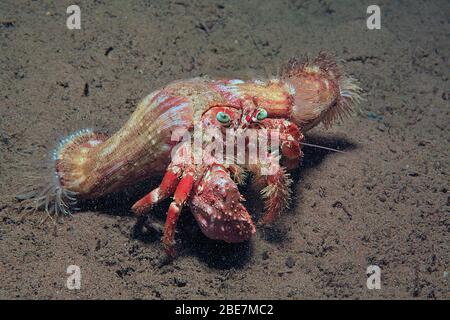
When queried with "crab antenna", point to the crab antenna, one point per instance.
{"points": [[321, 147]]}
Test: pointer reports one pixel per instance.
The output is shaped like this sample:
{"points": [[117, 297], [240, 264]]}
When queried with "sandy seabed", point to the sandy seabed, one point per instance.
{"points": [[383, 202]]}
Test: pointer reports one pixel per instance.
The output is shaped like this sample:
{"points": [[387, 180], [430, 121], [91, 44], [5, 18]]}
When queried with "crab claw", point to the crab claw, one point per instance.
{"points": [[216, 205]]}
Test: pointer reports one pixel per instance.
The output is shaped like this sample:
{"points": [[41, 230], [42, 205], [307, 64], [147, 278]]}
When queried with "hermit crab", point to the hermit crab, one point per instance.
{"points": [[89, 164]]}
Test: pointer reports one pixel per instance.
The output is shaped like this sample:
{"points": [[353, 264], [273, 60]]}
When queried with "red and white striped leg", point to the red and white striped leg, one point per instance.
{"points": [[165, 189], [181, 194]]}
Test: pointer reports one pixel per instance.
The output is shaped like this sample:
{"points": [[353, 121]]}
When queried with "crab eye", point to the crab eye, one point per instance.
{"points": [[262, 114], [222, 117]]}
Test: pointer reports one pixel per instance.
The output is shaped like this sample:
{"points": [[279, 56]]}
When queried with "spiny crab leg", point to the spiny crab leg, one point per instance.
{"points": [[275, 187], [275, 191], [165, 189]]}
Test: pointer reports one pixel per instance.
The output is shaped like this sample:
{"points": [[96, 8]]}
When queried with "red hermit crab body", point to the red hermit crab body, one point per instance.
{"points": [[90, 165]]}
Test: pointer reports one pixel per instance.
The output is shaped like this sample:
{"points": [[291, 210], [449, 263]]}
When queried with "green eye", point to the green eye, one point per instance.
{"points": [[222, 117], [262, 114]]}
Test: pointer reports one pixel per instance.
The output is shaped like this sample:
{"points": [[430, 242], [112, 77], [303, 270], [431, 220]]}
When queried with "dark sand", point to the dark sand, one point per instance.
{"points": [[382, 203]]}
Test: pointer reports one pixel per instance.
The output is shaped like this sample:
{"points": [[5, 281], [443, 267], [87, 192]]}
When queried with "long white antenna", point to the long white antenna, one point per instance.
{"points": [[321, 147]]}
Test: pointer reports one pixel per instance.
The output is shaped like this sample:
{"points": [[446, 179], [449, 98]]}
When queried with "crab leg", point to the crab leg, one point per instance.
{"points": [[181, 194], [165, 189], [275, 191]]}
